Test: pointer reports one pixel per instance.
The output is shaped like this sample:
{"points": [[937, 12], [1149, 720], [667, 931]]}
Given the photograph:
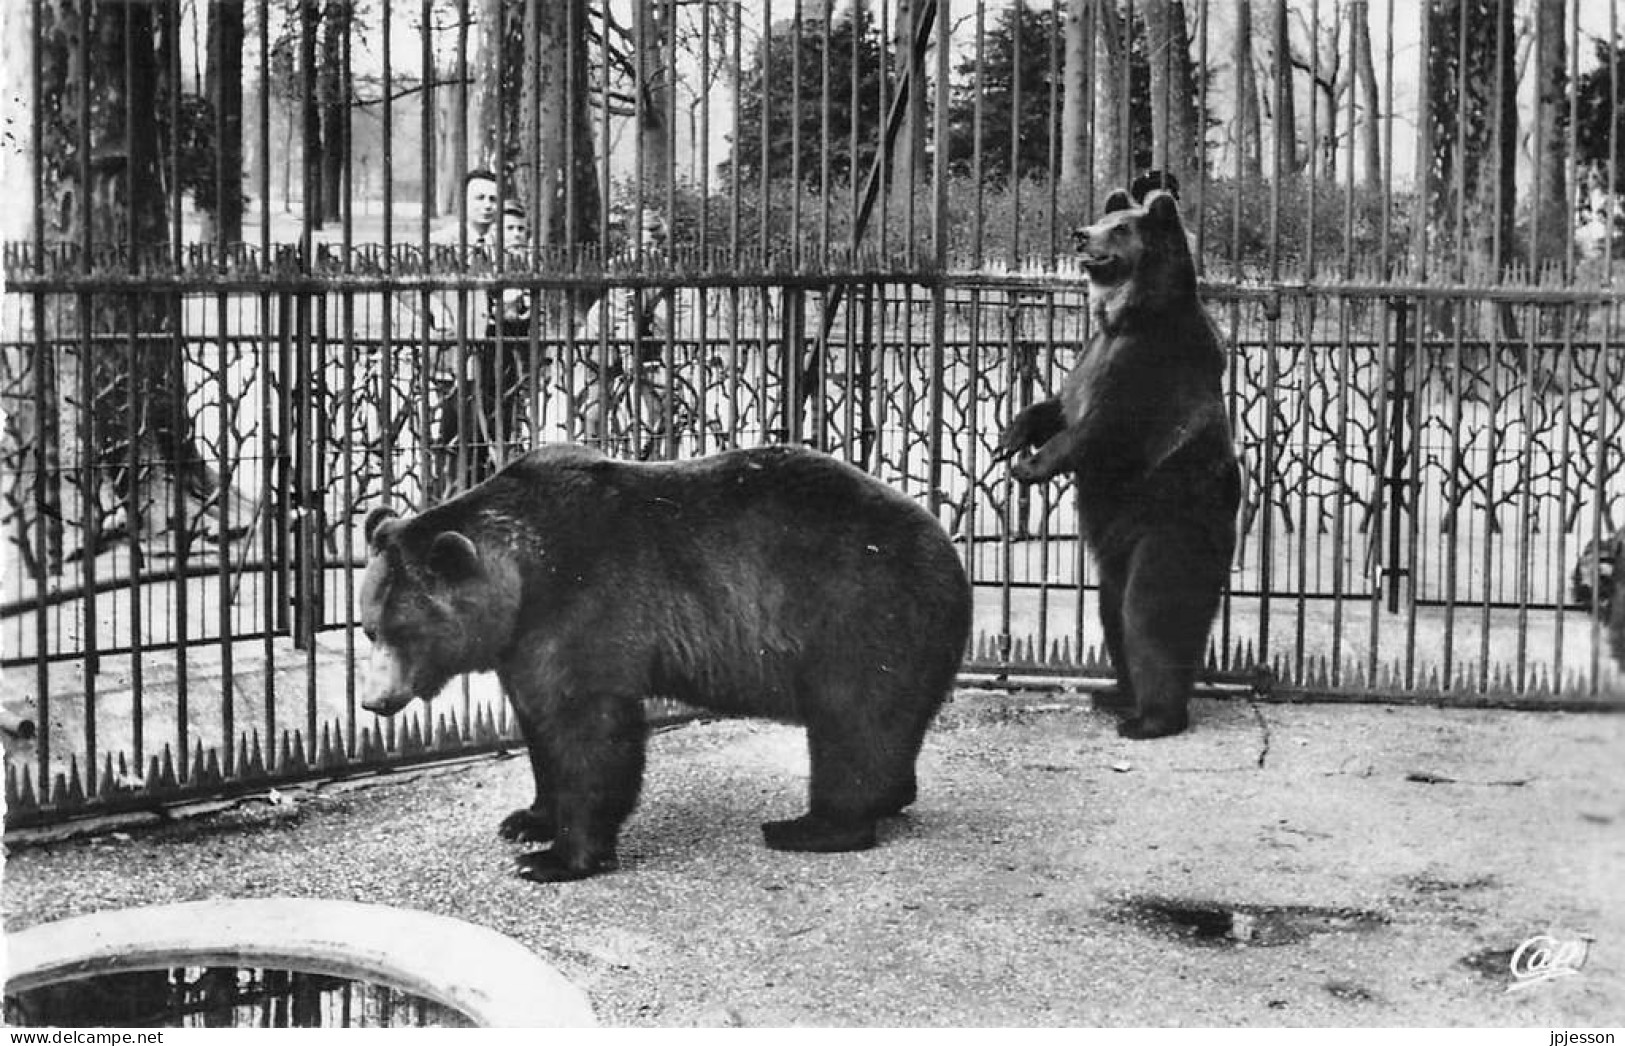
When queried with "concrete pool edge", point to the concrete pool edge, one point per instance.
{"points": [[490, 978]]}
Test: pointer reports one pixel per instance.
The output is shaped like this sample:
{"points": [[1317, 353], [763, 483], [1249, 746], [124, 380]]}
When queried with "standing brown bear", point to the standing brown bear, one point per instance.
{"points": [[774, 582], [1141, 425]]}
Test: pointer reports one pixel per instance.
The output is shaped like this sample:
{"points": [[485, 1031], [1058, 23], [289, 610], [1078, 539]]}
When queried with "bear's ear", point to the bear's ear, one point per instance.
{"points": [[1162, 207], [375, 520], [1118, 201], [453, 556]]}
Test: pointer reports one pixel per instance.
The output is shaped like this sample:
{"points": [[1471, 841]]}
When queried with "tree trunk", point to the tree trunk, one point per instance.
{"points": [[310, 12], [1288, 159], [563, 131], [1114, 155], [1474, 137], [1472, 126], [1249, 131], [1328, 82], [1365, 86], [908, 160], [137, 422], [223, 84], [1076, 97], [30, 444], [652, 42], [1500, 180], [485, 140], [1551, 190], [1173, 89], [335, 101], [450, 132], [499, 71]]}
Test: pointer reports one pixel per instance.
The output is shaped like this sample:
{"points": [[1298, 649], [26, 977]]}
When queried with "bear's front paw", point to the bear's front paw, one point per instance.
{"points": [[549, 866], [527, 825], [1012, 441], [1145, 727], [814, 834], [1027, 471]]}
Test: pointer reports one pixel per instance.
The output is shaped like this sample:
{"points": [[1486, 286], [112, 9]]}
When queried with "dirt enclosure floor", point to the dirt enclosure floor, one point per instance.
{"points": [[1277, 865]]}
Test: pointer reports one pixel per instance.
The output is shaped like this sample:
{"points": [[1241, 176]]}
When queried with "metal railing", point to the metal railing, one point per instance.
{"points": [[867, 208]]}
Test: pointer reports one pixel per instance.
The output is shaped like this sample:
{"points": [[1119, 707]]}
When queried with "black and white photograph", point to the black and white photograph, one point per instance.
{"points": [[813, 514]]}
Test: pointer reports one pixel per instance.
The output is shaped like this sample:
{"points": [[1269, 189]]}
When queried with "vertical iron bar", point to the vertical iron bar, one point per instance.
{"points": [[1386, 507], [180, 526], [1302, 539], [347, 418], [1052, 126], [939, 246], [671, 292], [764, 183], [825, 102], [796, 32], [1016, 111], [978, 96], [1200, 209], [1600, 473], [882, 166], [386, 318], [1312, 138], [227, 460], [46, 403], [1565, 364], [428, 336], [1126, 93], [271, 437], [1340, 557], [1424, 142], [89, 472], [1411, 496], [736, 53]]}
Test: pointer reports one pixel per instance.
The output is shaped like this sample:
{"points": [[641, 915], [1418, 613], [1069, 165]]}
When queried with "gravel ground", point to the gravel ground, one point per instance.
{"points": [[1277, 865]]}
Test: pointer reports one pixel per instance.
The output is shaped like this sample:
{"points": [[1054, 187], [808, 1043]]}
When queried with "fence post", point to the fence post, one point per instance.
{"points": [[1394, 506]]}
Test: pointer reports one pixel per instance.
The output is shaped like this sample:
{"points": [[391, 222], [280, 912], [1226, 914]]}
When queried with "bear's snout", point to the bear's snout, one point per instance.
{"points": [[386, 705], [385, 690]]}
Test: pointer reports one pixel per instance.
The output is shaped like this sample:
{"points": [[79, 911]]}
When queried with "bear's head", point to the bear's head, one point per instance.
{"points": [[1137, 258], [433, 607]]}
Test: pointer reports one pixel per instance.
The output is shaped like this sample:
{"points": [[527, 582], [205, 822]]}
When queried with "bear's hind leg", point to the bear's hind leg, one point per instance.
{"points": [[1169, 601], [1119, 698], [596, 760], [861, 769], [840, 817]]}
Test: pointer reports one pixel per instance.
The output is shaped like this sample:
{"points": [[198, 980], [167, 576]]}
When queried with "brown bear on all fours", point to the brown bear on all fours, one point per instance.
{"points": [[775, 582], [1141, 425]]}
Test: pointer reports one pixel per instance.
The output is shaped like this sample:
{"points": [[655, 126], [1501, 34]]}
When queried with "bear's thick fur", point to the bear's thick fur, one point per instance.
{"points": [[1616, 620], [775, 582], [1141, 425], [1600, 561]]}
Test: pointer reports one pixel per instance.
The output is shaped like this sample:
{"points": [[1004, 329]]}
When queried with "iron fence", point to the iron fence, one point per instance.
{"points": [[867, 208]]}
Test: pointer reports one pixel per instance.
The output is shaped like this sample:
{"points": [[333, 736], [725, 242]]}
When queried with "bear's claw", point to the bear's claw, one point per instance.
{"points": [[545, 866], [527, 825]]}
